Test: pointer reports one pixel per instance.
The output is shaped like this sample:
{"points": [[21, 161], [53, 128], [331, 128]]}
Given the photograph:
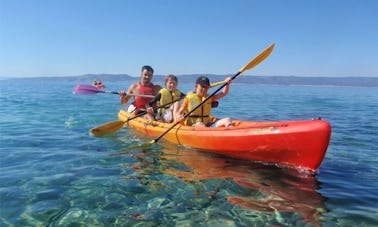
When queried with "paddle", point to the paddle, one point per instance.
{"points": [[114, 126], [217, 83], [90, 90], [255, 61], [107, 128]]}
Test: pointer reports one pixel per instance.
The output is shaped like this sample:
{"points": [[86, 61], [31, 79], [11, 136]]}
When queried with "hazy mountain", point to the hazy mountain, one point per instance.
{"points": [[273, 80]]}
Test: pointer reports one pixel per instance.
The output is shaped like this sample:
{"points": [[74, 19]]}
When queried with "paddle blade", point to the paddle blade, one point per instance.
{"points": [[255, 61], [152, 141], [86, 89], [217, 83], [107, 128], [258, 59]]}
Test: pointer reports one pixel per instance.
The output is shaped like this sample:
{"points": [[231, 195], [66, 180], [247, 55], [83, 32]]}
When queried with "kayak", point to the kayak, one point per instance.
{"points": [[299, 144]]}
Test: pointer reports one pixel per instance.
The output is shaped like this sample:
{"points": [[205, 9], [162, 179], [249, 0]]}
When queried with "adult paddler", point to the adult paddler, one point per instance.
{"points": [[144, 87]]}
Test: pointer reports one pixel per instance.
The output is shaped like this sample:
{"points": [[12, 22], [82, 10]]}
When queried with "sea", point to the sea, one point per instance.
{"points": [[54, 173]]}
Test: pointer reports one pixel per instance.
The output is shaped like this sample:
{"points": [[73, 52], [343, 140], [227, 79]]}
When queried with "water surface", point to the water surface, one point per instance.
{"points": [[52, 172]]}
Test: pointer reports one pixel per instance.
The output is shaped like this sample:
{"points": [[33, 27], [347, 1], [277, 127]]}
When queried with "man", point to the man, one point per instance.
{"points": [[144, 87]]}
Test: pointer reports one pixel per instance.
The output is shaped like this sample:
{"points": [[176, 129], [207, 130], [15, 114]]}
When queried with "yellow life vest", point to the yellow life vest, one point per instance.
{"points": [[202, 113], [167, 97]]}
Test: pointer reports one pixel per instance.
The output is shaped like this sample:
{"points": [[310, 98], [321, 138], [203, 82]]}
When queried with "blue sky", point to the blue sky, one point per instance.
{"points": [[75, 37]]}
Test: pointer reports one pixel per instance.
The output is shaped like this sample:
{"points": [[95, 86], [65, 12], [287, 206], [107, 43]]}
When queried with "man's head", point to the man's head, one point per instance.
{"points": [[146, 74], [148, 68]]}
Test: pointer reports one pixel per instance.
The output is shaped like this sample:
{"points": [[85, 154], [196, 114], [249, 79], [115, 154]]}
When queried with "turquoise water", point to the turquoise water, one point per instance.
{"points": [[53, 173]]}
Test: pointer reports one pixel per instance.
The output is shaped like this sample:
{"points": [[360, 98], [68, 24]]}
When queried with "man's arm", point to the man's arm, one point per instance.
{"points": [[125, 98], [156, 89]]}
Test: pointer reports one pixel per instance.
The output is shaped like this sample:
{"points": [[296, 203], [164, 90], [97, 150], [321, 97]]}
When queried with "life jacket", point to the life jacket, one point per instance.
{"points": [[167, 97], [202, 113], [141, 102]]}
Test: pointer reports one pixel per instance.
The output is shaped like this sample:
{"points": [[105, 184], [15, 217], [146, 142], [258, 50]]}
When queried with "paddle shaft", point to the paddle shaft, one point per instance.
{"points": [[217, 83], [114, 92], [194, 109], [158, 107], [114, 126], [222, 82], [90, 90], [109, 92], [255, 61]]}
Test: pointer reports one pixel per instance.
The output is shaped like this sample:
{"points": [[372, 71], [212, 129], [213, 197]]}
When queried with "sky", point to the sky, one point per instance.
{"points": [[76, 37]]}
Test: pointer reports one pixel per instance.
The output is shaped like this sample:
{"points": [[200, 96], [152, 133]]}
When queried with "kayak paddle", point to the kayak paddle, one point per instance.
{"points": [[86, 89], [217, 83], [114, 126], [255, 61], [106, 128]]}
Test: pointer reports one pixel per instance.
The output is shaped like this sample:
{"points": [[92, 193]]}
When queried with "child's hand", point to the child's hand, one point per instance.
{"points": [[150, 110]]}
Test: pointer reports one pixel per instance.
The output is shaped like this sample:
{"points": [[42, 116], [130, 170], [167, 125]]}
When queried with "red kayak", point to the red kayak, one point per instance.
{"points": [[300, 144]]}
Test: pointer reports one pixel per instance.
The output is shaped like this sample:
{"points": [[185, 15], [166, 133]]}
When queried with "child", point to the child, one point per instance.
{"points": [[202, 115], [166, 95]]}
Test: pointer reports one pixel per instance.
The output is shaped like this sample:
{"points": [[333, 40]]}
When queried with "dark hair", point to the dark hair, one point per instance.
{"points": [[148, 68], [203, 80], [170, 77]]}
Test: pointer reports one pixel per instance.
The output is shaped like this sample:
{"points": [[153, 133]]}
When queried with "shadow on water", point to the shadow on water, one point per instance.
{"points": [[283, 194]]}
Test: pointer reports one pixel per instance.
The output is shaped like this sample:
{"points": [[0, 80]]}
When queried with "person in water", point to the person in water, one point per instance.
{"points": [[98, 84], [167, 95], [144, 87], [202, 115]]}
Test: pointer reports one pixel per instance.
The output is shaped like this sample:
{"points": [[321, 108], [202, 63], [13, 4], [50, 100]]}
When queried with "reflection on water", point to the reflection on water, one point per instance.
{"points": [[262, 188]]}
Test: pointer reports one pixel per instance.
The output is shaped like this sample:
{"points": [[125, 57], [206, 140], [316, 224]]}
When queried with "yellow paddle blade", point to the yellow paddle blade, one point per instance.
{"points": [[217, 83], [259, 58], [152, 142], [107, 128], [255, 61]]}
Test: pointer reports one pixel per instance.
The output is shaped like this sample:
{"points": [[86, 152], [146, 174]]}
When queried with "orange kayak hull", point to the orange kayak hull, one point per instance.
{"points": [[300, 144]]}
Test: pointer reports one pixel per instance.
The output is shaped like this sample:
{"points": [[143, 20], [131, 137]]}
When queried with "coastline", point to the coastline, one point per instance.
{"points": [[356, 81]]}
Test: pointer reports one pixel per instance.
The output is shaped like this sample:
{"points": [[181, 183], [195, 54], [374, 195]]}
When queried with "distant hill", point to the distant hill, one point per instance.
{"points": [[320, 81], [248, 79]]}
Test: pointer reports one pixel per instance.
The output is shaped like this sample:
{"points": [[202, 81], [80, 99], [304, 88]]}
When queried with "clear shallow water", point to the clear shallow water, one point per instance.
{"points": [[52, 172]]}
